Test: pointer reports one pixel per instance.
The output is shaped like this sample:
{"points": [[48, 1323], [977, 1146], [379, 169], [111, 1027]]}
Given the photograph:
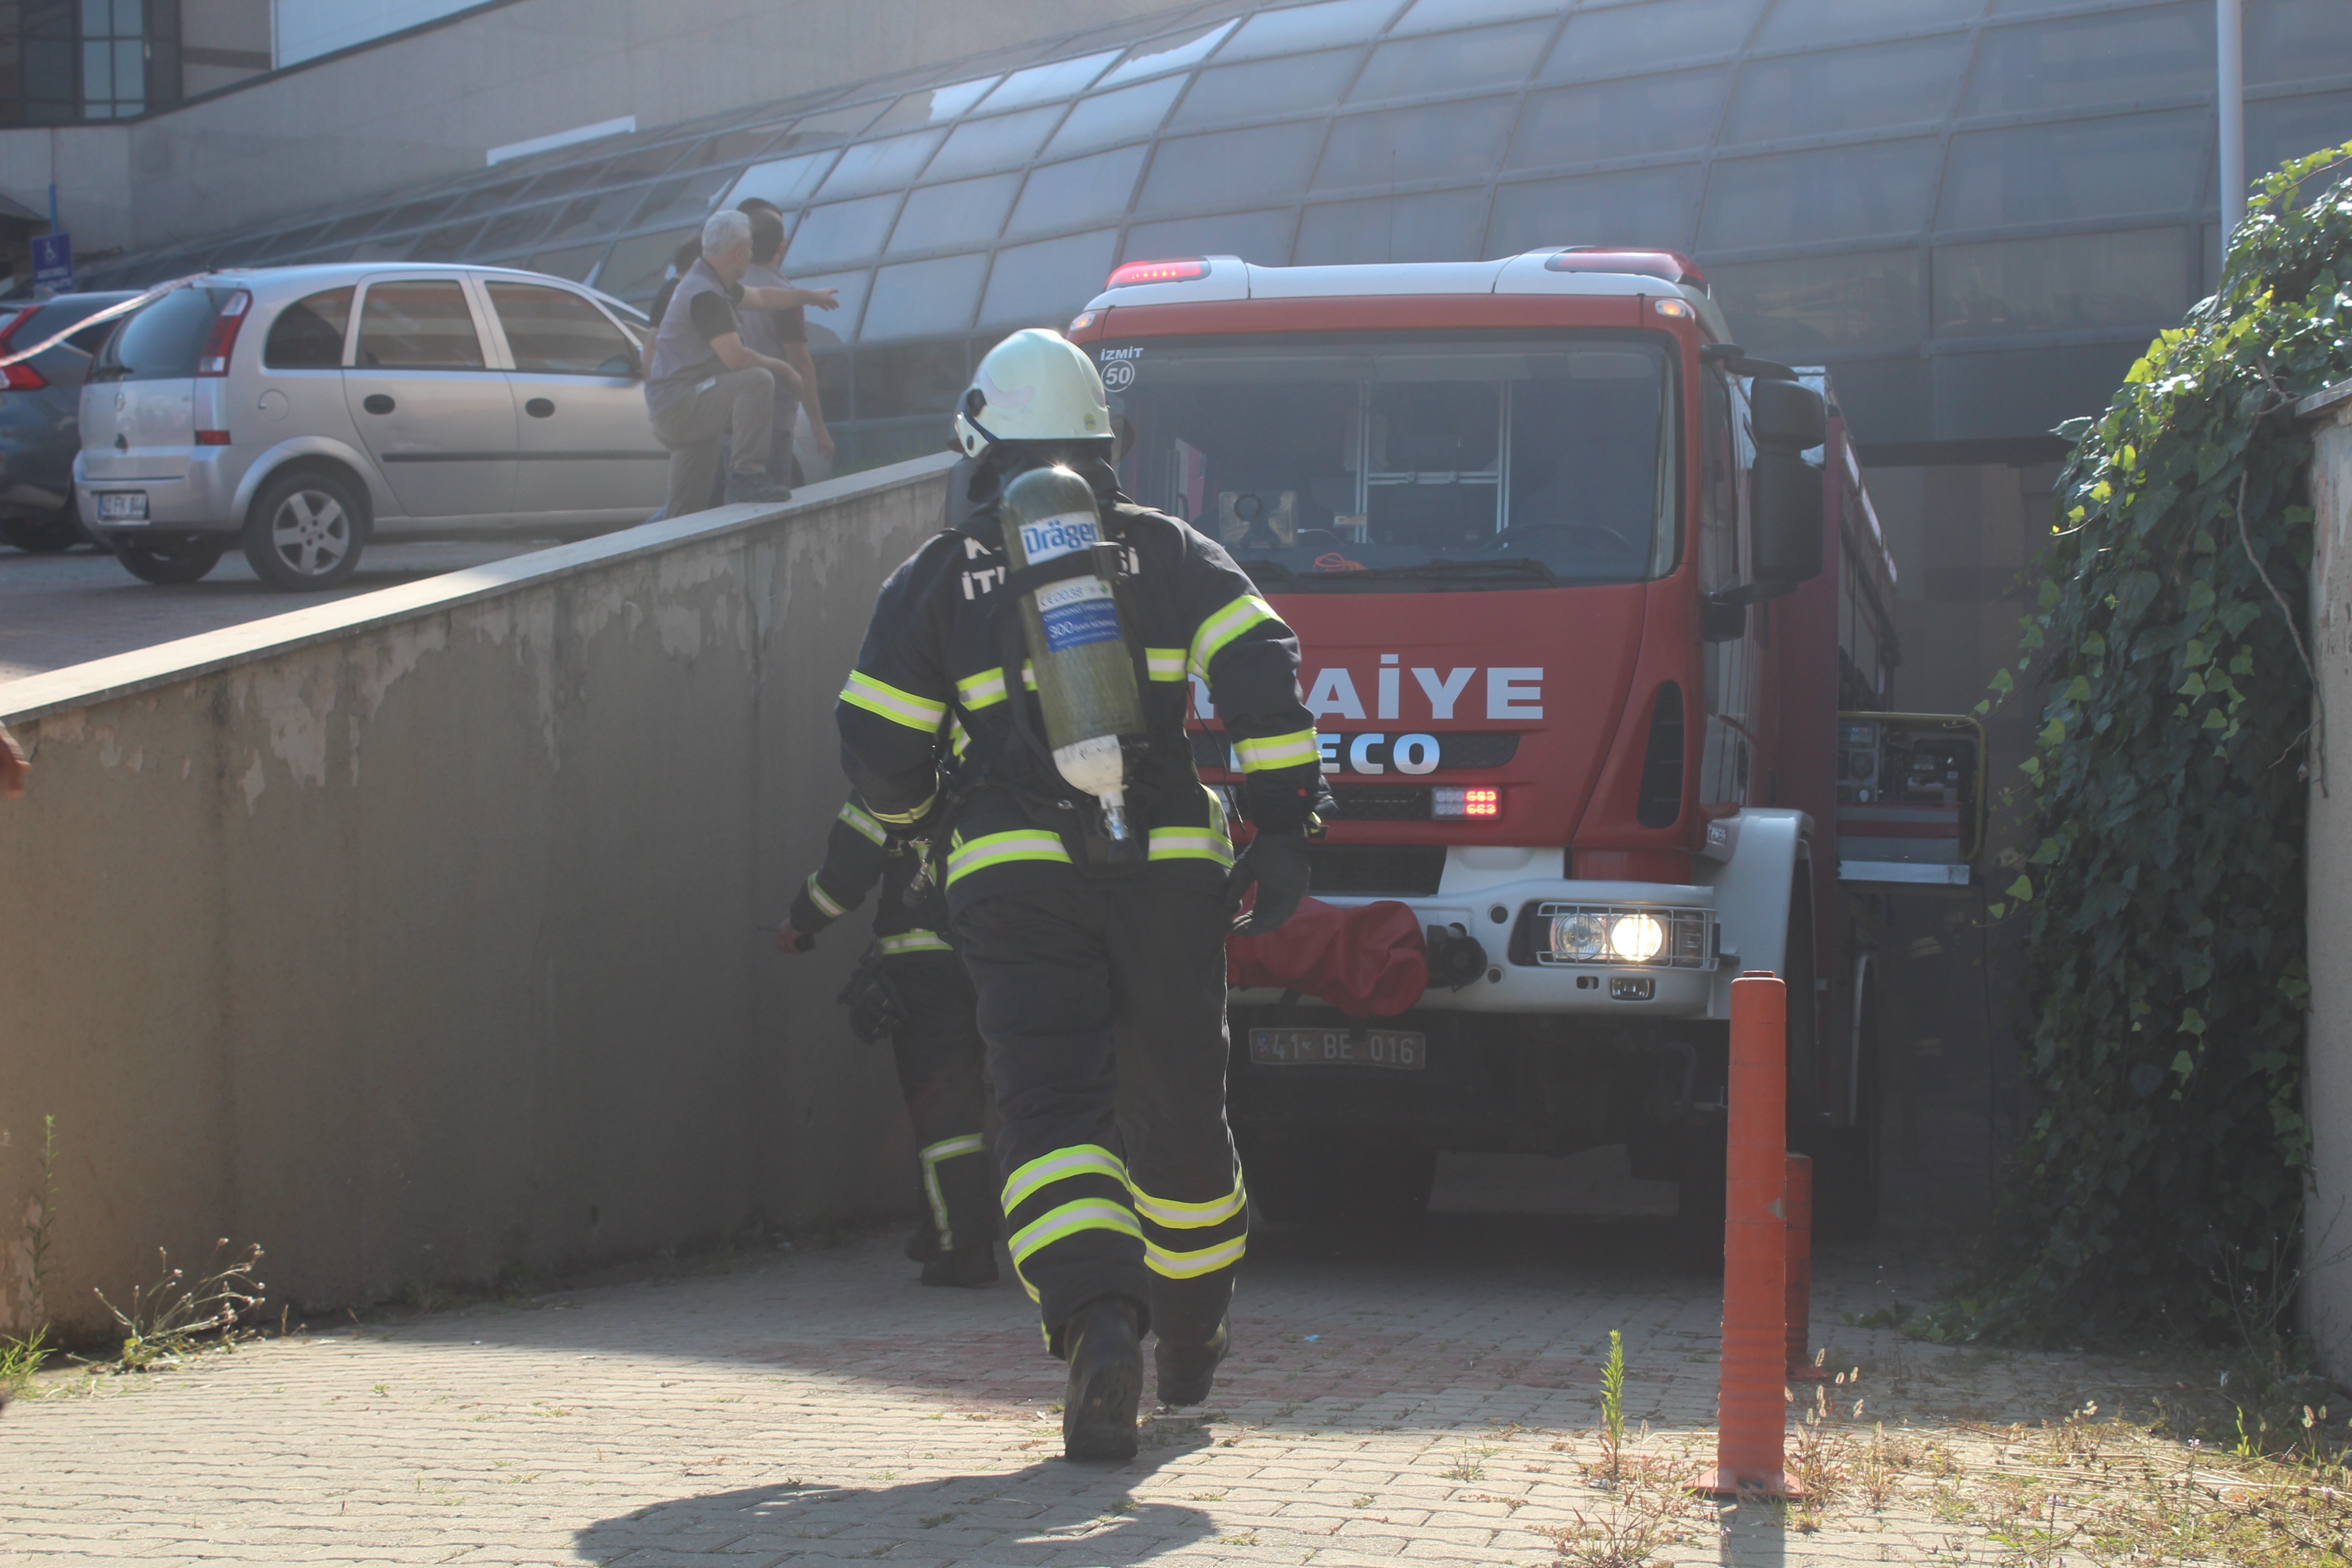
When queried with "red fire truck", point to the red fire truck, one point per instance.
{"points": [[1596, 623]]}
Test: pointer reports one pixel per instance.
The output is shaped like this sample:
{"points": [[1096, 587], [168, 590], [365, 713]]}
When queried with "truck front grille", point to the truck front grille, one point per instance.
{"points": [[1408, 871]]}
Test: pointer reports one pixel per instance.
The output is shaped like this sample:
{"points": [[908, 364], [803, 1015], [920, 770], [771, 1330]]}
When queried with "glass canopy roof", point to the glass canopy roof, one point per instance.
{"points": [[1975, 211]]}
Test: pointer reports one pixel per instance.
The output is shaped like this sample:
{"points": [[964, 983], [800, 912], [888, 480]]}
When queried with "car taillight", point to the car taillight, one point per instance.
{"points": [[1458, 800], [212, 438], [221, 341], [22, 376], [1183, 270]]}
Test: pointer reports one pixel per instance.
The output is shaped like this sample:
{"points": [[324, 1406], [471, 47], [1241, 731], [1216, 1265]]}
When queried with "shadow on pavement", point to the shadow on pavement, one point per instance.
{"points": [[1051, 1504]]}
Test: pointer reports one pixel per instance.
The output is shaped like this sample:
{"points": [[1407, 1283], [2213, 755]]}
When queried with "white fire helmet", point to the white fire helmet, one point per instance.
{"points": [[1035, 385]]}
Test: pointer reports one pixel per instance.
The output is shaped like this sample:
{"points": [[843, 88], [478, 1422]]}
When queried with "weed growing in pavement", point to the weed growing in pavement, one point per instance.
{"points": [[1612, 1402], [21, 1355], [1469, 1463], [1647, 1512], [166, 1321]]}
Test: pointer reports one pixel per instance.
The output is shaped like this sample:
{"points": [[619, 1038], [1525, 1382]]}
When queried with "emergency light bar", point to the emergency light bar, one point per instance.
{"points": [[1671, 265], [1184, 270]]}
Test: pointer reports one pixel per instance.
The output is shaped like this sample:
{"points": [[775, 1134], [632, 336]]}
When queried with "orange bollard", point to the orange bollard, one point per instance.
{"points": [[1752, 1408], [1801, 1272]]}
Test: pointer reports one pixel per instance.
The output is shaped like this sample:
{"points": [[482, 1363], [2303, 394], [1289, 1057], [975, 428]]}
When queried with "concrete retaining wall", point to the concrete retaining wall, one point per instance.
{"points": [[2328, 1250], [420, 937]]}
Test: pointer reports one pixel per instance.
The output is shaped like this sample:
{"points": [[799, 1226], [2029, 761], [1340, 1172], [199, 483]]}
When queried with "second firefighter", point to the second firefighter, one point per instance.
{"points": [[911, 987]]}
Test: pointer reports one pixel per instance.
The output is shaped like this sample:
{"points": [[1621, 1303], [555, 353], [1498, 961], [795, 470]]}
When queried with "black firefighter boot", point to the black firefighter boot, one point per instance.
{"points": [[1106, 1345], [1186, 1373], [968, 1194]]}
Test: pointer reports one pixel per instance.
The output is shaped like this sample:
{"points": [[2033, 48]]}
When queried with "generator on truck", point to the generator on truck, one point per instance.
{"points": [[1596, 623]]}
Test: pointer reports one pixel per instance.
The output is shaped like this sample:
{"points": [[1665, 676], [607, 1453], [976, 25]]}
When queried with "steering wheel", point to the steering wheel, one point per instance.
{"points": [[1590, 539]]}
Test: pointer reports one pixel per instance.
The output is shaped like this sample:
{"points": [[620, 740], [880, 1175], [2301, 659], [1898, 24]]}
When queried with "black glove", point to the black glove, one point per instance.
{"points": [[876, 1008], [1277, 862]]}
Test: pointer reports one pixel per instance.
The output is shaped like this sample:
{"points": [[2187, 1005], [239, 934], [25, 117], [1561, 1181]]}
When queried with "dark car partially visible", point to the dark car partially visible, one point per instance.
{"points": [[40, 418]]}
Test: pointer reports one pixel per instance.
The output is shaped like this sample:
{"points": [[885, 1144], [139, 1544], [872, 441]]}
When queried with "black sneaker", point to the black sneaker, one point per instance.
{"points": [[759, 488], [1106, 1381], [964, 1266], [1187, 1371]]}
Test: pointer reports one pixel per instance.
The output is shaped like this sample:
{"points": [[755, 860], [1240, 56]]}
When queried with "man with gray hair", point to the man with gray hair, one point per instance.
{"points": [[706, 383]]}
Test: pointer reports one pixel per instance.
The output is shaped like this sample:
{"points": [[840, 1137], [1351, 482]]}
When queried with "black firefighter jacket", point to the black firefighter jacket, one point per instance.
{"points": [[929, 693]]}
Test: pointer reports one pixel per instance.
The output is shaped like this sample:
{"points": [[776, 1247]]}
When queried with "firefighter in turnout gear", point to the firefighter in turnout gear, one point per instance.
{"points": [[1099, 962], [912, 987]]}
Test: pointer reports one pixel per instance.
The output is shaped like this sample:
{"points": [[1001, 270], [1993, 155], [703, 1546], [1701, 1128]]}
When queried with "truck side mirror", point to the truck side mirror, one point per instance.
{"points": [[1786, 413], [1784, 522], [1786, 513]]}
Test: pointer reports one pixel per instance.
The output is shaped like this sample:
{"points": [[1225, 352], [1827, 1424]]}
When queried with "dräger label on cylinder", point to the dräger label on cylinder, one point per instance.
{"points": [[1078, 611]]}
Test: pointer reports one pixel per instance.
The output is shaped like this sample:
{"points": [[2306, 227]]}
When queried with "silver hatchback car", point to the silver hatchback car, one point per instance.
{"points": [[299, 411]]}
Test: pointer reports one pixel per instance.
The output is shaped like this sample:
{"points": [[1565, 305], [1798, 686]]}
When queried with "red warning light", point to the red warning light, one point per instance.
{"points": [[1184, 270], [1482, 803]]}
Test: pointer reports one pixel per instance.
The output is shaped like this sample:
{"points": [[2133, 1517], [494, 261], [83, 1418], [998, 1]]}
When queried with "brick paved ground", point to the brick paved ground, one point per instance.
{"points": [[1425, 1401]]}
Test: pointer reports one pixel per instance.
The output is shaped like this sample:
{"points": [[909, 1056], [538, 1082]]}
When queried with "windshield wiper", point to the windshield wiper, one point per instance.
{"points": [[1260, 570], [1501, 566]]}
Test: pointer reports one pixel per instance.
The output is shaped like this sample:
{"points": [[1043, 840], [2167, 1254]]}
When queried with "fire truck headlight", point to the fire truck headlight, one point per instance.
{"points": [[1579, 938], [1636, 938]]}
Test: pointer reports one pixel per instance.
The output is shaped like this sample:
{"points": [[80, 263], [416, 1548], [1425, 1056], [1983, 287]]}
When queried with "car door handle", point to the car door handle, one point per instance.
{"points": [[538, 408], [377, 402]]}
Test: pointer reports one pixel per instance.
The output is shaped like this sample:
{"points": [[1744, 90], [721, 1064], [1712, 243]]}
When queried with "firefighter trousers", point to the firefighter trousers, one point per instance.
{"points": [[1104, 1008], [939, 1055]]}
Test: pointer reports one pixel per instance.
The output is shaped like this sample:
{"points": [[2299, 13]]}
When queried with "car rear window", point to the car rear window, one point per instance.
{"points": [[309, 334], [162, 342], [47, 321]]}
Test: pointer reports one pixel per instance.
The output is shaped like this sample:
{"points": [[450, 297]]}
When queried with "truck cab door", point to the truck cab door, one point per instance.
{"points": [[1727, 660], [436, 417]]}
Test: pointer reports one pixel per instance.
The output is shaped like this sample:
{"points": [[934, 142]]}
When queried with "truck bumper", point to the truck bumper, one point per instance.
{"points": [[1491, 909]]}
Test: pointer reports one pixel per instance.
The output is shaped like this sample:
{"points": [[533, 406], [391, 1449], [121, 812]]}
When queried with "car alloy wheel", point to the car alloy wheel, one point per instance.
{"points": [[312, 532]]}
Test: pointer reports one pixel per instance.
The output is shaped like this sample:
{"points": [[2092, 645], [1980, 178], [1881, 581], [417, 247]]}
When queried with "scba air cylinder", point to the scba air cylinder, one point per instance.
{"points": [[1085, 676]]}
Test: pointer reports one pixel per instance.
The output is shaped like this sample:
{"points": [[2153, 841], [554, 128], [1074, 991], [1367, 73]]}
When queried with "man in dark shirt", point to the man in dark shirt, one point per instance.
{"points": [[706, 382], [784, 333]]}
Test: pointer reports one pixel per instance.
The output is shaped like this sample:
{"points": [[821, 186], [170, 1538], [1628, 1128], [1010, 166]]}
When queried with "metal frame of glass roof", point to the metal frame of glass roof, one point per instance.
{"points": [[1975, 210]]}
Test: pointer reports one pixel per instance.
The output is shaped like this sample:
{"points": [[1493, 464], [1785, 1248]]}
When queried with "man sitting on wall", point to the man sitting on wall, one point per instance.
{"points": [[706, 383]]}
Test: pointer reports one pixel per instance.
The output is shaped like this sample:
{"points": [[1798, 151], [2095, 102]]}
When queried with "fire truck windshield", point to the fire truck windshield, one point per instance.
{"points": [[1408, 461]]}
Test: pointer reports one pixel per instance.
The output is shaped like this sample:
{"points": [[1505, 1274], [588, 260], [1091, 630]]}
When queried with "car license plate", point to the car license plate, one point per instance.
{"points": [[123, 506], [1399, 1050]]}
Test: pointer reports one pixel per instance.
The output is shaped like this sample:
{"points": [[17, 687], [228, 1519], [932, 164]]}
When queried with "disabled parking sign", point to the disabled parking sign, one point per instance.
{"points": [[53, 262]]}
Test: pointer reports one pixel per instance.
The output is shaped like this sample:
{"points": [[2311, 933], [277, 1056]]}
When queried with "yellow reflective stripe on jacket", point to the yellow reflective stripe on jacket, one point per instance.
{"points": [[911, 815], [912, 942], [1001, 848], [1171, 1265], [1225, 625], [1295, 750], [1082, 1215], [959, 738], [1190, 844], [857, 817], [1188, 1217], [823, 900], [899, 707], [1164, 663], [1078, 1159], [986, 690]]}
